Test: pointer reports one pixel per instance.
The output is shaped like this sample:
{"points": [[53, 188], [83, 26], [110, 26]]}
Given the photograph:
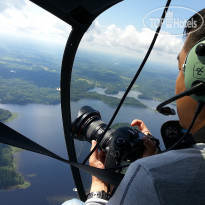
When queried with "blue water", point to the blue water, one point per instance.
{"points": [[51, 180]]}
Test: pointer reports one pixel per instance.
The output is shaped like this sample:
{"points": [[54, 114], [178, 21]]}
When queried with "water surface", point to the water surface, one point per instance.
{"points": [[51, 180]]}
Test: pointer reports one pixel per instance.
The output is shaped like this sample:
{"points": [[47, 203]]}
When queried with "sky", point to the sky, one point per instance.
{"points": [[126, 29]]}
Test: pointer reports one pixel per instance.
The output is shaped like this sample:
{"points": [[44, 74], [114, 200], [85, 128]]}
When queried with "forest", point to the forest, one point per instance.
{"points": [[4, 115], [33, 76], [9, 176]]}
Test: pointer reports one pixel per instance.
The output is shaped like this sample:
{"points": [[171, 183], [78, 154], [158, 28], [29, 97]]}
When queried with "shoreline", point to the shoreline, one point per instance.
{"points": [[16, 155], [15, 152], [14, 115]]}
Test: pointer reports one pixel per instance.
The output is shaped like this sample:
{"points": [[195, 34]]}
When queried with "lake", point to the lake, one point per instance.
{"points": [[51, 180]]}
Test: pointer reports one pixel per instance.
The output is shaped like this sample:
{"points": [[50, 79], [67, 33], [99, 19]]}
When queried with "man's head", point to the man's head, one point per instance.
{"points": [[186, 106]]}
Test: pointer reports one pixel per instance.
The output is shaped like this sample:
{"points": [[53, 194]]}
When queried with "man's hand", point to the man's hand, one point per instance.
{"points": [[98, 157], [150, 146], [97, 160]]}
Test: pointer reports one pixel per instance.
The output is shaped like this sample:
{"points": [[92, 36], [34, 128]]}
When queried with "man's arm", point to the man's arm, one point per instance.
{"points": [[97, 160]]}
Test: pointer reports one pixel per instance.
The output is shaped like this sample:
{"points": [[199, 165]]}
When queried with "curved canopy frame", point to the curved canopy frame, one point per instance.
{"points": [[79, 14]]}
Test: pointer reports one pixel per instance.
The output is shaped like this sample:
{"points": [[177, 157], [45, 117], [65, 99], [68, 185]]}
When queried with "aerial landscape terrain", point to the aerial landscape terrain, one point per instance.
{"points": [[30, 74]]}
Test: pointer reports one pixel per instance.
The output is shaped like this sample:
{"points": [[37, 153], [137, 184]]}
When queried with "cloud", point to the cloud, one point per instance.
{"points": [[131, 41], [29, 20], [8, 4]]}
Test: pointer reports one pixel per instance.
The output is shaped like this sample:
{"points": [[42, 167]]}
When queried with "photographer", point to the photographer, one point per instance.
{"points": [[173, 177]]}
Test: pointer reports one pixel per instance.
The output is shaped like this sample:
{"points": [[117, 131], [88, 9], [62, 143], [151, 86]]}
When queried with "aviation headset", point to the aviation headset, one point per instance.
{"points": [[194, 76], [194, 70]]}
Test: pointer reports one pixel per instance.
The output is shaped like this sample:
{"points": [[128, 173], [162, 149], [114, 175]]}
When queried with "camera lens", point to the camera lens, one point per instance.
{"points": [[88, 126]]}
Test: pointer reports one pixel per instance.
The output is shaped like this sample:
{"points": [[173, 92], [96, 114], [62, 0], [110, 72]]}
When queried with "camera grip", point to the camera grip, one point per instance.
{"points": [[113, 158]]}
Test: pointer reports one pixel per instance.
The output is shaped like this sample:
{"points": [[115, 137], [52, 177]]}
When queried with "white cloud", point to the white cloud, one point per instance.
{"points": [[32, 21], [28, 20], [131, 41], [7, 4]]}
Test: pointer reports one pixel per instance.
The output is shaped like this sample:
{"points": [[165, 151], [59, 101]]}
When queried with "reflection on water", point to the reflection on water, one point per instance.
{"points": [[51, 180]]}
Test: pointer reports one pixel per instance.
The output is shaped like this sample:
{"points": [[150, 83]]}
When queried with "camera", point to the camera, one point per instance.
{"points": [[124, 144]]}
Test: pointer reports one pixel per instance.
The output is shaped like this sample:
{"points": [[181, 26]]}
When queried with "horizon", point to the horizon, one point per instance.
{"points": [[54, 49]]}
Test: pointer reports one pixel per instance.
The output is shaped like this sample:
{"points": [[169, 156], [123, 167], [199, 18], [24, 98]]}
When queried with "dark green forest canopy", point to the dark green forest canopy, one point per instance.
{"points": [[31, 74], [4, 115], [9, 176]]}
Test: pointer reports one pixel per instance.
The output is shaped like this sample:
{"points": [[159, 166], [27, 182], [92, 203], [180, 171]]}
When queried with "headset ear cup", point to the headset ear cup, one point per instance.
{"points": [[194, 69]]}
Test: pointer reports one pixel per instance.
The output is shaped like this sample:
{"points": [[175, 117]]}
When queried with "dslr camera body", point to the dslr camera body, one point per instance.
{"points": [[123, 144]]}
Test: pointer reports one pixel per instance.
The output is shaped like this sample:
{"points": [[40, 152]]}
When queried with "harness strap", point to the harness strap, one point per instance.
{"points": [[11, 137]]}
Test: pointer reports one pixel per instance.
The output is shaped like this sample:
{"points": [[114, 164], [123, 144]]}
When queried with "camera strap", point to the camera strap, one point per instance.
{"points": [[11, 137]]}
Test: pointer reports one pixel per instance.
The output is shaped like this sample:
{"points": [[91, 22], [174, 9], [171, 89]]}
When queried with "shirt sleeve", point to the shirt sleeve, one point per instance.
{"points": [[137, 188], [96, 201]]}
